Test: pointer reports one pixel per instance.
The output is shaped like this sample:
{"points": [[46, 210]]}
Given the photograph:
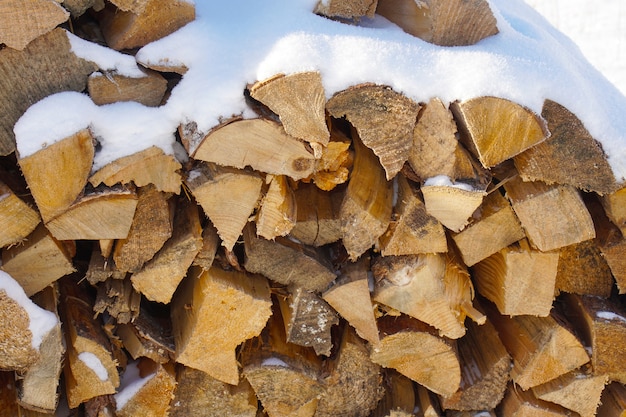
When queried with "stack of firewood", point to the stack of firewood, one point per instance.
{"points": [[363, 255]]}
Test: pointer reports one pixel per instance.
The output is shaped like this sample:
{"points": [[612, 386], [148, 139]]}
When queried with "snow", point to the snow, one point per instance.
{"points": [[445, 181], [609, 315], [41, 321], [93, 363], [234, 43], [274, 361], [130, 385]]}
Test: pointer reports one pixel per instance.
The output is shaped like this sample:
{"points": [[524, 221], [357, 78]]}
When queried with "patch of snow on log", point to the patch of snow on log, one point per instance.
{"points": [[41, 321], [93, 363], [130, 385]]}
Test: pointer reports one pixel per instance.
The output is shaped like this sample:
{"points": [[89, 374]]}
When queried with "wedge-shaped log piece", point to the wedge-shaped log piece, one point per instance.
{"points": [[579, 391], [518, 402], [317, 218], [615, 207], [353, 385], [57, 174], [213, 312], [497, 129], [350, 297], [485, 367], [228, 197], [46, 66], [613, 401], [111, 88], [427, 402], [258, 143], [150, 229], [39, 262], [602, 325], [150, 166], [493, 227], [287, 262], [308, 320], [510, 275], [23, 326], [451, 203], [127, 28], [198, 394], [23, 21], [413, 349], [90, 370], [583, 270], [210, 244], [367, 204], [542, 348], [442, 22], [570, 156], [103, 213], [37, 388], [17, 218], [277, 214], [299, 100], [119, 299], [160, 276], [155, 382], [412, 230], [553, 216], [430, 287], [148, 336], [383, 118], [348, 9]]}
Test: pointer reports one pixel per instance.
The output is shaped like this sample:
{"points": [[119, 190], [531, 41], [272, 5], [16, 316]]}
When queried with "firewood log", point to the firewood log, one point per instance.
{"points": [[46, 66], [24, 21], [400, 398], [614, 204], [141, 22], [442, 22], [334, 164], [79, 7], [212, 313], [8, 395], [569, 156], [17, 218], [39, 262], [384, 120], [110, 88], [613, 401], [101, 268], [148, 336], [518, 402], [210, 243], [317, 218], [153, 396], [349, 9], [277, 214], [119, 299], [452, 204], [583, 270]]}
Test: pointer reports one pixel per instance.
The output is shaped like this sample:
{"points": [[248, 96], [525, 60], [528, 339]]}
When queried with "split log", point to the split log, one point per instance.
{"points": [[350, 297], [442, 22], [334, 165], [508, 276], [432, 288], [197, 394], [150, 229], [299, 100], [383, 118], [90, 370], [583, 270], [353, 385], [159, 277], [146, 394], [17, 218], [148, 336], [517, 402], [413, 349], [210, 244], [259, 143], [23, 21], [138, 23], [287, 262], [450, 203], [101, 213], [578, 391], [570, 156], [150, 166], [412, 230], [367, 204], [46, 66], [349, 9], [105, 88], [485, 367], [496, 129], [542, 348], [228, 197], [213, 312], [428, 405], [101, 268], [277, 214], [553, 216], [8, 403], [614, 204], [118, 298], [613, 401], [602, 325], [317, 218], [39, 262], [57, 174], [308, 320], [400, 397], [79, 7], [493, 227], [37, 388]]}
